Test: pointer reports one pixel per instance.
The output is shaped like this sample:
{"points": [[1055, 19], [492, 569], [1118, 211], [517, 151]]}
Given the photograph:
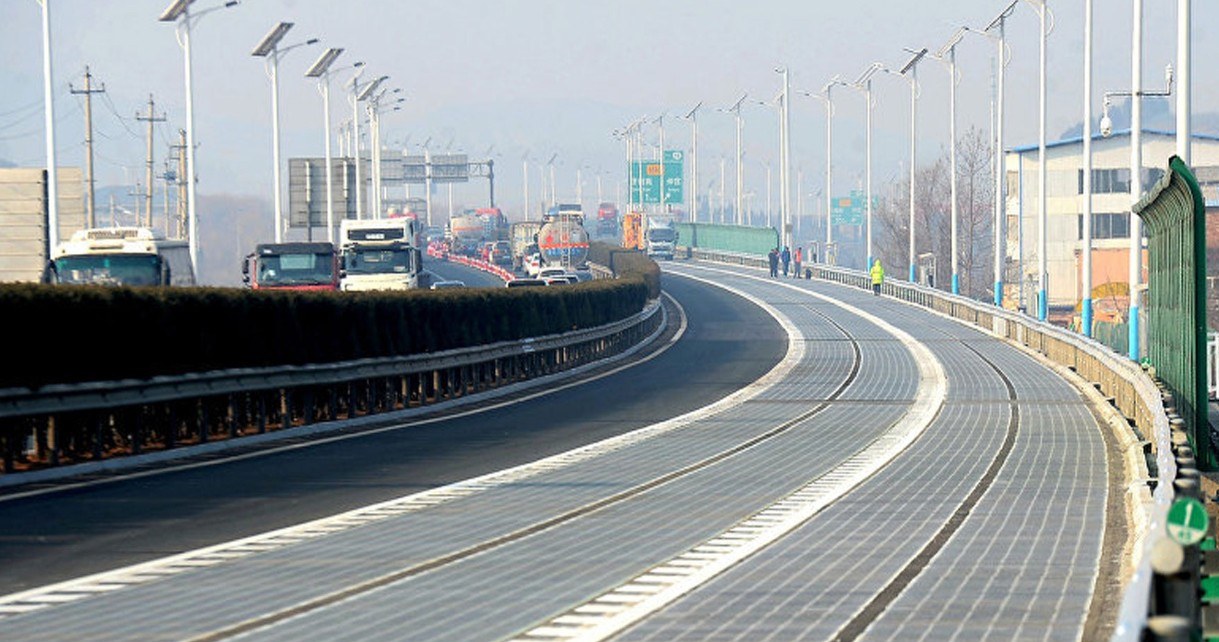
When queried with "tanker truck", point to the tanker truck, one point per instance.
{"points": [[466, 232], [563, 241]]}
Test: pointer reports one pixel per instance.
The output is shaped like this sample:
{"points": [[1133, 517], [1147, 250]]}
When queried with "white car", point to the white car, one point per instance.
{"points": [[551, 272], [533, 264], [440, 285]]}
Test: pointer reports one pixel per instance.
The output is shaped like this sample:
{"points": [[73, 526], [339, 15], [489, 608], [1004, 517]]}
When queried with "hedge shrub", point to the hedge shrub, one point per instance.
{"points": [[627, 264], [92, 333]]}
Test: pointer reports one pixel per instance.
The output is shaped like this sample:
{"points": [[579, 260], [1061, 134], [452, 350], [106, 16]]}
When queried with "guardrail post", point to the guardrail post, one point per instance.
{"points": [[6, 448], [285, 408], [99, 436], [262, 412]]}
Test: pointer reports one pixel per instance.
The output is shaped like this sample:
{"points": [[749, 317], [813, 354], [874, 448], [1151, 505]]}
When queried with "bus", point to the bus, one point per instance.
{"points": [[120, 256]]}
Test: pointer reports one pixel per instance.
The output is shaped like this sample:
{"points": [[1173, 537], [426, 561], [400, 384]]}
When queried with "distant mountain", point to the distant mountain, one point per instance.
{"points": [[230, 226], [1158, 113]]}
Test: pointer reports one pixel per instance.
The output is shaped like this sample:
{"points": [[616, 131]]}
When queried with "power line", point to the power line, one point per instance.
{"points": [[36, 105], [122, 121]]}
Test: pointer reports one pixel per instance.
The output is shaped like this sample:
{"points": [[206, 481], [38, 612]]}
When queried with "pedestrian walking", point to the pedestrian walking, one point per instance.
{"points": [[773, 259], [797, 259], [787, 259], [878, 277]]}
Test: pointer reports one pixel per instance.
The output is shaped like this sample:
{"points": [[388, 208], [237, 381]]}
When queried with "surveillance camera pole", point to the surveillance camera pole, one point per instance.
{"points": [[1136, 164]]}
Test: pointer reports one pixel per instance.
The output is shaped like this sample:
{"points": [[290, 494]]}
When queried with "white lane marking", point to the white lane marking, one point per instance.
{"points": [[228, 551], [690, 570], [540, 382]]}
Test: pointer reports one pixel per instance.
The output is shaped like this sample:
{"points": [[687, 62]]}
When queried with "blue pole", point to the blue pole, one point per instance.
{"points": [[1042, 305], [913, 272], [999, 293], [1134, 333], [1086, 321], [956, 284]]}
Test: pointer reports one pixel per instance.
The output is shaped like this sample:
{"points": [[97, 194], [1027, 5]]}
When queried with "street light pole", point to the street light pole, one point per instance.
{"points": [[1000, 241], [179, 12], [910, 72], [1042, 198], [48, 83], [1184, 100], [735, 110], [321, 70], [785, 159], [269, 49], [660, 124], [692, 116], [864, 84], [1136, 174], [1086, 303], [948, 55]]}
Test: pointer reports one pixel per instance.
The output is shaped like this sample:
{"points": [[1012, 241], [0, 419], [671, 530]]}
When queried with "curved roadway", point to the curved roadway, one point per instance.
{"points": [[895, 476]]}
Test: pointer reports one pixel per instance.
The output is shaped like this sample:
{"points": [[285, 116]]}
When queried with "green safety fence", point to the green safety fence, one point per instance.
{"points": [[728, 238], [1174, 212]]}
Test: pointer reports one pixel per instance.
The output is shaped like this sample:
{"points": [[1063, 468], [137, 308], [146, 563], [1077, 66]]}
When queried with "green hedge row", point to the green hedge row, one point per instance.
{"points": [[90, 333], [627, 264]]}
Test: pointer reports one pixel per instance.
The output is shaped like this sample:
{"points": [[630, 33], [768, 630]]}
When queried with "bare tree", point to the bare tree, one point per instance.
{"points": [[975, 200], [932, 217]]}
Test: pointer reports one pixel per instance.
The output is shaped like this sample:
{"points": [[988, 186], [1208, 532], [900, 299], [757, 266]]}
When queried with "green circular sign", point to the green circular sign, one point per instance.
{"points": [[1187, 522]]}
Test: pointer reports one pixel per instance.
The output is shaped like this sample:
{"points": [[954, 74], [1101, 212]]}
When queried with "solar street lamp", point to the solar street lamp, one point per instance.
{"points": [[269, 49], [909, 72], [179, 12], [321, 71]]}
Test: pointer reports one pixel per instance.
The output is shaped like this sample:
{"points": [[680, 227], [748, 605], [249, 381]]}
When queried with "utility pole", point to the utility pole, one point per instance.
{"points": [[183, 182], [88, 92], [150, 119]]}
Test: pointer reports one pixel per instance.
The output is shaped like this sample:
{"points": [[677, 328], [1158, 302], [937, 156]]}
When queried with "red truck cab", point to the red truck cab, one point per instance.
{"points": [[292, 266]]}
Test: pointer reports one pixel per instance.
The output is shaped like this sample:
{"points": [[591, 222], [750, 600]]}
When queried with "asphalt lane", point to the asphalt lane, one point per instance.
{"points": [[44, 539], [449, 271]]}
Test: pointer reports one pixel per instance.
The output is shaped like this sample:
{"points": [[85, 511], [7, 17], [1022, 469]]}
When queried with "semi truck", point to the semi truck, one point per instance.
{"points": [[607, 220], [292, 266], [379, 255], [120, 256]]}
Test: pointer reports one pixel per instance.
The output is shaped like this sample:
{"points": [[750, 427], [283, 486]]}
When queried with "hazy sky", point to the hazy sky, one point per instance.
{"points": [[529, 78]]}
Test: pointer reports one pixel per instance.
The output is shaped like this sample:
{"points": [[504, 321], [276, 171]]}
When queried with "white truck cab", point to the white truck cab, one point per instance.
{"points": [[379, 255]]}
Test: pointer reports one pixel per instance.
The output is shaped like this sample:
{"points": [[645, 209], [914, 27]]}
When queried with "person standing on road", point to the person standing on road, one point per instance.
{"points": [[787, 259], [878, 277], [796, 260], [773, 258]]}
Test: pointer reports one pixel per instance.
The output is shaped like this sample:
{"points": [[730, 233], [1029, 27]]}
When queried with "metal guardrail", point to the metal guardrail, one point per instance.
{"points": [[1131, 390], [59, 424]]}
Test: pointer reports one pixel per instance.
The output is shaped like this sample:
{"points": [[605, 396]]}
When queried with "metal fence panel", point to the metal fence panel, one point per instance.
{"points": [[727, 238], [1175, 214]]}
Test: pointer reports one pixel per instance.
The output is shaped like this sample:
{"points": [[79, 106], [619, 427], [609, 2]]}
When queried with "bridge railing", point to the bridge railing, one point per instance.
{"points": [[1125, 385], [84, 424]]}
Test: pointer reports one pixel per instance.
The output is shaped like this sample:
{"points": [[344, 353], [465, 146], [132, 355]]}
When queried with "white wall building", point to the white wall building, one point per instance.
{"points": [[1111, 203]]}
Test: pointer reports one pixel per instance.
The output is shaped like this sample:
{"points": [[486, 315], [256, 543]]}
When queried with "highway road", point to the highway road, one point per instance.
{"points": [[866, 470], [54, 537]]}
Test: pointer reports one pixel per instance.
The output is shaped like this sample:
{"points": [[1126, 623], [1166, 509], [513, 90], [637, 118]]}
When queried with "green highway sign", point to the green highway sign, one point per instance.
{"points": [[1187, 521], [851, 210], [646, 177]]}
